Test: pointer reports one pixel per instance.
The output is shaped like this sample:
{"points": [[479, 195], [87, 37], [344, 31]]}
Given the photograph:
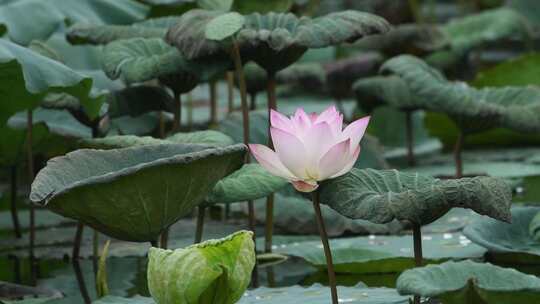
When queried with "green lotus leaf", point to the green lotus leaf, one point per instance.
{"points": [[207, 137], [53, 14], [28, 77], [529, 9], [412, 84], [212, 272], [382, 254], [318, 294], [511, 240], [472, 31], [104, 34], [57, 122], [119, 300], [521, 71], [150, 187], [413, 38], [274, 40], [141, 125], [215, 5], [224, 26], [249, 183], [380, 196], [137, 100], [248, 7], [469, 282], [142, 59]]}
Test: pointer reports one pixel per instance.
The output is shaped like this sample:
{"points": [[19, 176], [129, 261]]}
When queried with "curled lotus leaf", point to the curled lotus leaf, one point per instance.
{"points": [[380, 196], [104, 34], [135, 193], [274, 40], [468, 282], [409, 83], [215, 271]]}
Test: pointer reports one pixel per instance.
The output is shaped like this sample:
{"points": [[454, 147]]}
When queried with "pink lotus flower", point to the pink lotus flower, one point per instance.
{"points": [[310, 148]]}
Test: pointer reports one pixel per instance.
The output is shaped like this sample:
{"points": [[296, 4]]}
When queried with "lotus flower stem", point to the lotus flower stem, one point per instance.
{"points": [[80, 280], [272, 105], [30, 156], [177, 111], [410, 138], [457, 155], [14, 213], [418, 257], [326, 245], [161, 125], [213, 102], [245, 121], [201, 210], [77, 241], [164, 239], [230, 91]]}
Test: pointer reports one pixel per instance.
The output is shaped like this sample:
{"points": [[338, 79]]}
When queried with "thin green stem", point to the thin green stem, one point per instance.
{"points": [[418, 257], [80, 281], [245, 121], [14, 213], [177, 112], [409, 135], [230, 91], [201, 210], [95, 251], [30, 156], [326, 246], [213, 102], [272, 105]]}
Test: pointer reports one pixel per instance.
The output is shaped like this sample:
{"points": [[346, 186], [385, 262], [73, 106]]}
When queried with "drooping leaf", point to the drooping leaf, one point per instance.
{"points": [[272, 40], [138, 100], [262, 7], [142, 59], [215, 271], [318, 294], [469, 282], [53, 14], [104, 34], [57, 122], [215, 5], [511, 240], [521, 71], [97, 187], [28, 77], [413, 84], [383, 195], [248, 183], [491, 25]]}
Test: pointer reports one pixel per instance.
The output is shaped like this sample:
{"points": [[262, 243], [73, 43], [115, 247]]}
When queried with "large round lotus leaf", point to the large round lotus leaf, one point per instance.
{"points": [[521, 71], [104, 34], [249, 183], [512, 240], [468, 282], [149, 188], [412, 84], [212, 272], [48, 16], [274, 40], [138, 100], [383, 195], [207, 137], [142, 59], [28, 77], [381, 254]]}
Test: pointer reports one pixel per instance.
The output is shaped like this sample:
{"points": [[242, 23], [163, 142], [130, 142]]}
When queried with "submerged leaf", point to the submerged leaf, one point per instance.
{"points": [[212, 272], [149, 187], [383, 195], [469, 282]]}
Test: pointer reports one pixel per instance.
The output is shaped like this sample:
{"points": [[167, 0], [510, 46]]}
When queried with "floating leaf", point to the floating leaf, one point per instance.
{"points": [[97, 187], [274, 40], [512, 240], [248, 183], [224, 26], [28, 77], [380, 196], [53, 14], [318, 294], [104, 34], [215, 271], [468, 282]]}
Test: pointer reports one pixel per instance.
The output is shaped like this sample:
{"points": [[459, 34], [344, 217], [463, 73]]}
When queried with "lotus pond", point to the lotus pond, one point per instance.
{"points": [[277, 151]]}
